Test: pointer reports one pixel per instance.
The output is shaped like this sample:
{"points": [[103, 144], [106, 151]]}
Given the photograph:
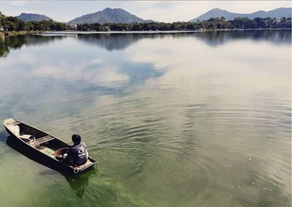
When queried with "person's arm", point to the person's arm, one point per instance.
{"points": [[68, 154], [86, 152]]}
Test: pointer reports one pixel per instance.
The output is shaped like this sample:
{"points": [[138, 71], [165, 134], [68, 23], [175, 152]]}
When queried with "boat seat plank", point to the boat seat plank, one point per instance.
{"points": [[44, 139]]}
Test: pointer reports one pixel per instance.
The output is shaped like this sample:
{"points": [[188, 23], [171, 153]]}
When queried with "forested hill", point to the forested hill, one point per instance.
{"points": [[32, 17], [214, 13], [108, 16]]}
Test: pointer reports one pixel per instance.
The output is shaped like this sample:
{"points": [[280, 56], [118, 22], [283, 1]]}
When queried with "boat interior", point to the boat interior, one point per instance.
{"points": [[40, 140]]}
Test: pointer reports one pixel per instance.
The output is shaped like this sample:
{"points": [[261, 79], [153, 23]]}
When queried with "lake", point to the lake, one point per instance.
{"points": [[174, 120]]}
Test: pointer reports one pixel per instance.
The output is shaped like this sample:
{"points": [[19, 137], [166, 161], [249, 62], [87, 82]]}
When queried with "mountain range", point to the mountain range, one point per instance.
{"points": [[32, 17], [276, 13], [109, 15]]}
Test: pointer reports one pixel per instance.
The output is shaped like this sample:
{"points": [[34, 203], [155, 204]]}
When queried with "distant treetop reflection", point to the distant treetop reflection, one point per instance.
{"points": [[118, 41], [16, 42], [121, 41], [220, 38], [112, 42]]}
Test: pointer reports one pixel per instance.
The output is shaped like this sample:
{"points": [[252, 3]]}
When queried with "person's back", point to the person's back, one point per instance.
{"points": [[77, 154]]}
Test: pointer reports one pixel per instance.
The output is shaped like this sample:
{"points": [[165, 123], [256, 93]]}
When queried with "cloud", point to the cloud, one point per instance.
{"points": [[186, 64], [185, 11], [104, 75], [18, 3], [21, 59], [96, 61]]}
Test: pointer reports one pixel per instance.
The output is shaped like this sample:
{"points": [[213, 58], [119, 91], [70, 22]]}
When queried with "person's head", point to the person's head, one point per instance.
{"points": [[76, 138]]}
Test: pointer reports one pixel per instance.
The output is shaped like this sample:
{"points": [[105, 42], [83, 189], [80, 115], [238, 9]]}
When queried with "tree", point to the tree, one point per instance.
{"points": [[37, 26], [260, 22], [10, 23], [21, 26], [2, 18]]}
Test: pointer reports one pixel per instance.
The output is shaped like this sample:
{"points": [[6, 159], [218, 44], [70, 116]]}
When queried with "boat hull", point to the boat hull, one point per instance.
{"points": [[22, 147]]}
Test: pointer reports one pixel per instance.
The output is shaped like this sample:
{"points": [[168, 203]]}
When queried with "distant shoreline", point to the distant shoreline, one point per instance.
{"points": [[17, 33], [158, 32], [48, 33]]}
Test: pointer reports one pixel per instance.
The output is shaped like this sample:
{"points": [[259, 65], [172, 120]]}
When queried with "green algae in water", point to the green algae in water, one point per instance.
{"points": [[186, 120]]}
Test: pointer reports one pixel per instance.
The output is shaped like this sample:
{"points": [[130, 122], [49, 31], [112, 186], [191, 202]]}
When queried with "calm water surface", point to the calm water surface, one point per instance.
{"points": [[175, 120]]}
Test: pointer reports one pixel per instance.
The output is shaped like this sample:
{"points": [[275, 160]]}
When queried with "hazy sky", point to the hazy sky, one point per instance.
{"points": [[159, 11]]}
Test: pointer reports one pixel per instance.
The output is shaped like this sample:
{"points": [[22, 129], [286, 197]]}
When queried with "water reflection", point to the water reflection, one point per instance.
{"points": [[220, 38], [171, 118], [4, 49], [3, 136], [79, 183], [122, 41], [113, 42], [109, 41], [8, 43]]}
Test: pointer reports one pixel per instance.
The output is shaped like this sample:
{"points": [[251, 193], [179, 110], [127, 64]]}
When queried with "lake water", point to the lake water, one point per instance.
{"points": [[174, 120]]}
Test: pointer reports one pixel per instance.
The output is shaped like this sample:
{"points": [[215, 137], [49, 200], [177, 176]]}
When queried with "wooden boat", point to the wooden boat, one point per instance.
{"points": [[42, 147]]}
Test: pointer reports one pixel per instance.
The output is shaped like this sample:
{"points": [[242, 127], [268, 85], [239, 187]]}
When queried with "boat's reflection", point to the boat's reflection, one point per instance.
{"points": [[80, 182], [77, 183]]}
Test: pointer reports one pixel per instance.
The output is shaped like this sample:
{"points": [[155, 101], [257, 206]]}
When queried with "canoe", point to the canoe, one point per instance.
{"points": [[42, 147]]}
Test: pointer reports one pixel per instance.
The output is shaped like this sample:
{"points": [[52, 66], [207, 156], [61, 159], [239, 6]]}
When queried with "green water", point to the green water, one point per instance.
{"points": [[174, 120]]}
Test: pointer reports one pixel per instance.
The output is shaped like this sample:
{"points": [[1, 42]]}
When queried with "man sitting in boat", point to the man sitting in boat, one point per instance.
{"points": [[77, 154]]}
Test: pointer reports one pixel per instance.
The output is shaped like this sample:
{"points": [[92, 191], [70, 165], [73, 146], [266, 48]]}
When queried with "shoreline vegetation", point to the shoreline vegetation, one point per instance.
{"points": [[158, 31], [16, 33], [12, 26], [75, 32]]}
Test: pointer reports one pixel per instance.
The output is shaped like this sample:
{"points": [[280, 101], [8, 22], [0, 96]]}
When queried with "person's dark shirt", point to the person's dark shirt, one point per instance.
{"points": [[78, 154]]}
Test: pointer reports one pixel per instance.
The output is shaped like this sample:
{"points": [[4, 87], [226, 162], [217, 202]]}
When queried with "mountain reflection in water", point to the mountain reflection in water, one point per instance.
{"points": [[112, 42]]}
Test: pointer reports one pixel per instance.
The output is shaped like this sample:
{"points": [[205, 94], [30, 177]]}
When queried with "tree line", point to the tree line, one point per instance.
{"points": [[15, 24], [211, 24]]}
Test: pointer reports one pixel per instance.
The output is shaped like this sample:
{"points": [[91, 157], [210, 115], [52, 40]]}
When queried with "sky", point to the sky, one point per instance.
{"points": [[164, 11]]}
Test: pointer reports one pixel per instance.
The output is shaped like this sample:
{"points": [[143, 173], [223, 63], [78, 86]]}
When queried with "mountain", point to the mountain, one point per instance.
{"points": [[32, 17], [106, 16], [276, 13]]}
